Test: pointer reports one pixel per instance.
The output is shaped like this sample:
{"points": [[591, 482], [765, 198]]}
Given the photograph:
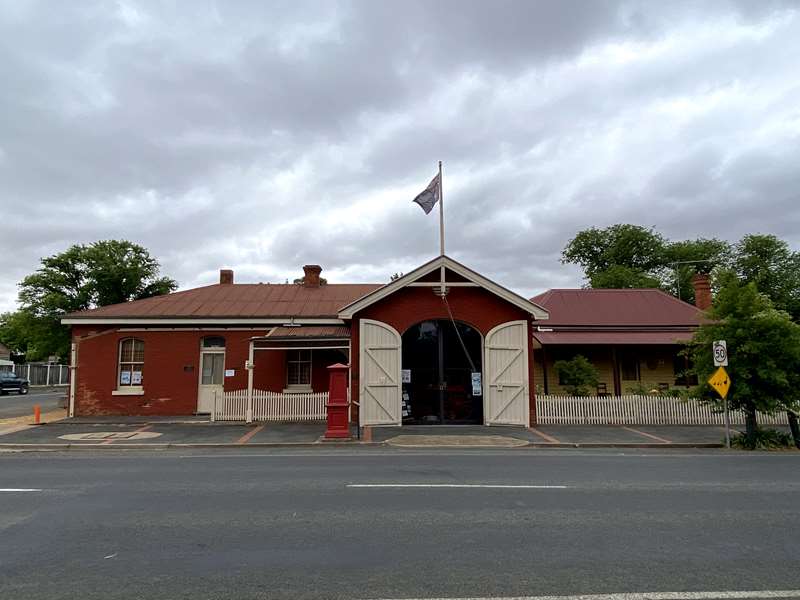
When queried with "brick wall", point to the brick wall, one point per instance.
{"points": [[171, 369]]}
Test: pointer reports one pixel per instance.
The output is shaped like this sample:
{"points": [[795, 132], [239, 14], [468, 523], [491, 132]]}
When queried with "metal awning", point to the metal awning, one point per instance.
{"points": [[304, 338], [549, 338]]}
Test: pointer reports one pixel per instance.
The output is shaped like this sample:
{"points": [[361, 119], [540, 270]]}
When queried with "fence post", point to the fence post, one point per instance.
{"points": [[47, 381], [214, 408], [28, 376]]}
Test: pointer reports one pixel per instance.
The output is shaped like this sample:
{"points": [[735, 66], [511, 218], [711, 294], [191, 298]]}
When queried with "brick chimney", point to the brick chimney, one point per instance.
{"points": [[311, 277], [225, 276], [702, 290]]}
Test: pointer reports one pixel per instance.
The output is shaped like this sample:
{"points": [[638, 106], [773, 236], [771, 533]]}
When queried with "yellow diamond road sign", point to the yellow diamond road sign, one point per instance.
{"points": [[720, 381]]}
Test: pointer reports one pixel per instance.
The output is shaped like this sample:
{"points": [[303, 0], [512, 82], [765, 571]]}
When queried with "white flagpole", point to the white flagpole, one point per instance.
{"points": [[441, 230], [441, 212]]}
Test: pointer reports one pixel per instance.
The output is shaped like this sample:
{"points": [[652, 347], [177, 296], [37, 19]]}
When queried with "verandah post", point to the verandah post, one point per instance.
{"points": [[250, 366]]}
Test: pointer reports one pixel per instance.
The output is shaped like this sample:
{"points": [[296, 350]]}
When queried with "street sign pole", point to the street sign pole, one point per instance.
{"points": [[727, 424], [721, 382]]}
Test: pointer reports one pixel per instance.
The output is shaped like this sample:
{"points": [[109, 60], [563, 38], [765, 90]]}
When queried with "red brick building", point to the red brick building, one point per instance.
{"points": [[442, 344]]}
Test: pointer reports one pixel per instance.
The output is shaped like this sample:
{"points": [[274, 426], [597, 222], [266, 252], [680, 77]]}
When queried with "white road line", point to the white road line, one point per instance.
{"points": [[721, 595], [457, 485], [21, 490]]}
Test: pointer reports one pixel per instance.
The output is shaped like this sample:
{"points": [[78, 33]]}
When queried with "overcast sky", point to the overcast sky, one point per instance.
{"points": [[260, 136]]}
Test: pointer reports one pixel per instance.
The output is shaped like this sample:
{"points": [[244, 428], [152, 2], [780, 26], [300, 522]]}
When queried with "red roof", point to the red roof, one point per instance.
{"points": [[260, 300], [630, 307]]}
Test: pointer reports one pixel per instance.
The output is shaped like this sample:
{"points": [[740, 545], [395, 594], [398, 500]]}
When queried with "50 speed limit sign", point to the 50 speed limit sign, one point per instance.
{"points": [[720, 353]]}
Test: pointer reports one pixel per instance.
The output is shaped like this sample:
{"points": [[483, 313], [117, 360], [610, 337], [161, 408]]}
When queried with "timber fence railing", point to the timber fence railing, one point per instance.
{"points": [[41, 374], [270, 406], [637, 410]]}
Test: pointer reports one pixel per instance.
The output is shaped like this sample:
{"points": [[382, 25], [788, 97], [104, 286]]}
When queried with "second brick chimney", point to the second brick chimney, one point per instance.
{"points": [[311, 277], [702, 290], [225, 276]]}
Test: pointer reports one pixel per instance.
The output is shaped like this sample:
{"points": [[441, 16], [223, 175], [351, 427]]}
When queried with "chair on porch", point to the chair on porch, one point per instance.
{"points": [[602, 390]]}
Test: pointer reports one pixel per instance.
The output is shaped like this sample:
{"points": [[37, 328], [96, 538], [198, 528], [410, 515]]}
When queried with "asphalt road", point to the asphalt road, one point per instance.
{"points": [[14, 405], [290, 524]]}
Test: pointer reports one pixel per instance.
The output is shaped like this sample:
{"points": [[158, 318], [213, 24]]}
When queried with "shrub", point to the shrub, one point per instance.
{"points": [[763, 439], [577, 375]]}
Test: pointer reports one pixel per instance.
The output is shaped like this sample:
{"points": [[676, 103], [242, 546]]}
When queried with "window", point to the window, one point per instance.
{"points": [[212, 368], [298, 368], [629, 368], [131, 364], [213, 341]]}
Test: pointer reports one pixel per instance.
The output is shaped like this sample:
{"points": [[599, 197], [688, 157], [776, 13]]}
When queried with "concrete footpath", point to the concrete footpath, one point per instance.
{"points": [[162, 433]]}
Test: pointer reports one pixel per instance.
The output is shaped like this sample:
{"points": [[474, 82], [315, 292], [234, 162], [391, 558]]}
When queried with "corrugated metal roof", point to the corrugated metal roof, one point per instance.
{"points": [[310, 331], [261, 300], [549, 338], [633, 307]]}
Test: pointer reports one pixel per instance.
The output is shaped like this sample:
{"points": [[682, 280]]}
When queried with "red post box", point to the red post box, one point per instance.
{"points": [[338, 426]]}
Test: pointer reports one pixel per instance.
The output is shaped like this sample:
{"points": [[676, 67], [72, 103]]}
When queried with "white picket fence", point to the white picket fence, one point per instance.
{"points": [[270, 406], [636, 410]]}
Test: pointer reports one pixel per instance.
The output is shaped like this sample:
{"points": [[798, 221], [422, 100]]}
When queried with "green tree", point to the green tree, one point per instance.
{"points": [[81, 277], [578, 375], [620, 256], [25, 334], [687, 257], [769, 263], [763, 351]]}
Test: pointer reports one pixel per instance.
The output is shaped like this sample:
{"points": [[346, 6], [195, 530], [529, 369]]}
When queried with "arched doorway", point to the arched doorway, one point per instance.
{"points": [[441, 366]]}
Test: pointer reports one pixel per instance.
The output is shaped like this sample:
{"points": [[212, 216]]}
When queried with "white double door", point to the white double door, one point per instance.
{"points": [[506, 390], [212, 376]]}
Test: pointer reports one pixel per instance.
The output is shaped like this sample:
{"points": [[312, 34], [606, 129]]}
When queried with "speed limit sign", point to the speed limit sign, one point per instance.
{"points": [[720, 353]]}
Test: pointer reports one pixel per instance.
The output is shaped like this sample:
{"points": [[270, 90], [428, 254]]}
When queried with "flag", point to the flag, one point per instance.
{"points": [[429, 196]]}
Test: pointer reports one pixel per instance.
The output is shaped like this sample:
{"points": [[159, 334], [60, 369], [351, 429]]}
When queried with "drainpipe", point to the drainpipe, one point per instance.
{"points": [[544, 372], [73, 375]]}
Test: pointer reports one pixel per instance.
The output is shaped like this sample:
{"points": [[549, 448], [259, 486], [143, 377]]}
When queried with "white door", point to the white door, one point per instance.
{"points": [[506, 352], [212, 371], [380, 387]]}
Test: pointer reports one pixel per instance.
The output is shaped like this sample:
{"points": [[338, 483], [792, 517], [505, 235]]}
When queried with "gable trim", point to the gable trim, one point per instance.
{"points": [[446, 262]]}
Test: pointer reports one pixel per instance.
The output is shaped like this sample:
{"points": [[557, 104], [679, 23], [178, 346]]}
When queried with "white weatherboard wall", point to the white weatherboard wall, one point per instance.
{"points": [[635, 410], [380, 359], [506, 352]]}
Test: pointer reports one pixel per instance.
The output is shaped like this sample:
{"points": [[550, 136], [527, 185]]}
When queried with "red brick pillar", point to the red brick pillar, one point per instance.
{"points": [[702, 291], [338, 427]]}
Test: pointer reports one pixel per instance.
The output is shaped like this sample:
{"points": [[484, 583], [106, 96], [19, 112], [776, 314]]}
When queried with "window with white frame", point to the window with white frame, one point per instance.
{"points": [[130, 373], [298, 368]]}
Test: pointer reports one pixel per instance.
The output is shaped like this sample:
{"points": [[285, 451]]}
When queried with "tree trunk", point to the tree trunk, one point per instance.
{"points": [[751, 425], [794, 427]]}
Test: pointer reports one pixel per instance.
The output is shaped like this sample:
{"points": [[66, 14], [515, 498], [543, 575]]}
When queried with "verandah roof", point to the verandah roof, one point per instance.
{"points": [[549, 338]]}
